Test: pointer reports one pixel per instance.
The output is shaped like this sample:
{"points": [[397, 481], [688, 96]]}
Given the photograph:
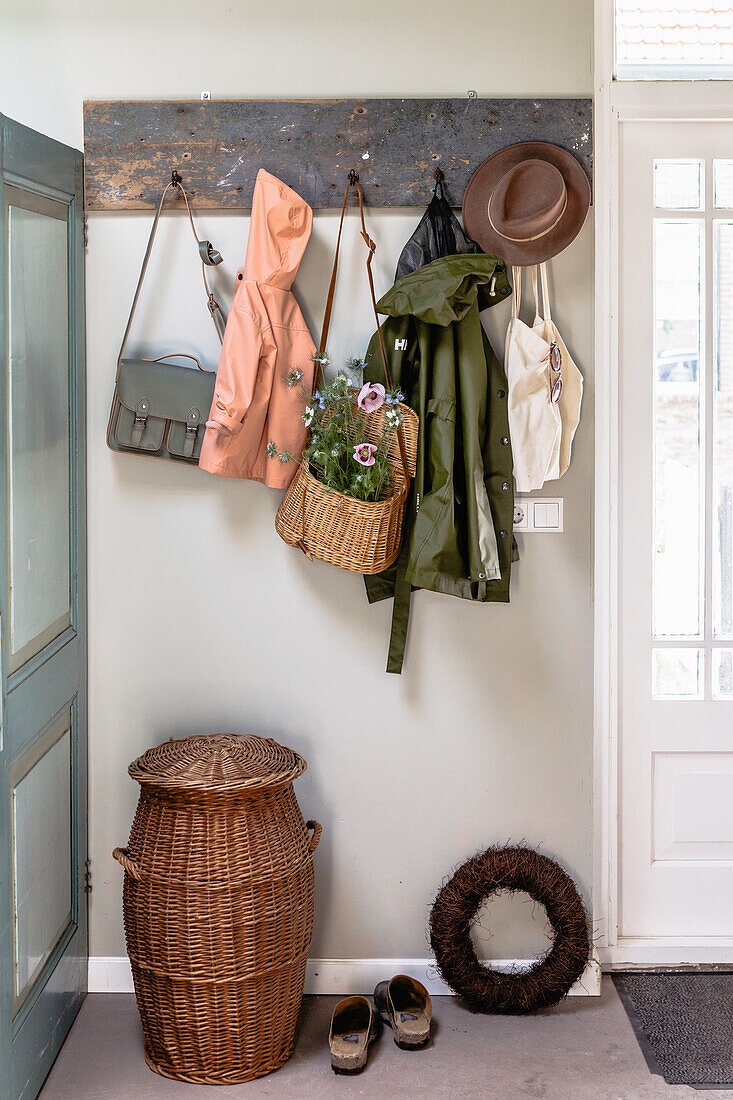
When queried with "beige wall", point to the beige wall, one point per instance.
{"points": [[200, 618]]}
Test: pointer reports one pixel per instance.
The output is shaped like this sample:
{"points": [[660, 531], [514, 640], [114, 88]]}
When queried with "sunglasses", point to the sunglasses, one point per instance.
{"points": [[554, 357]]}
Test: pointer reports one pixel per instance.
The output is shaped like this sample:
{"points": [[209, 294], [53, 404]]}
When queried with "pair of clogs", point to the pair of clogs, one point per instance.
{"points": [[402, 1003]]}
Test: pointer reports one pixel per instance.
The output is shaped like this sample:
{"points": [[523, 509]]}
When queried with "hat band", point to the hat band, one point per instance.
{"points": [[537, 236]]}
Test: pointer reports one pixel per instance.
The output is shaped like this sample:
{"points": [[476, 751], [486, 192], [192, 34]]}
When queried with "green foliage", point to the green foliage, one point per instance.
{"points": [[339, 452]]}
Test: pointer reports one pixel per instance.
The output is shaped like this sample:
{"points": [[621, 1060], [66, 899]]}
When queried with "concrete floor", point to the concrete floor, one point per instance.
{"points": [[584, 1050]]}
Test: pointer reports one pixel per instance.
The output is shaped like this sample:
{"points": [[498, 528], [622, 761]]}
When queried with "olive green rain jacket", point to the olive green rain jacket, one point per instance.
{"points": [[458, 524]]}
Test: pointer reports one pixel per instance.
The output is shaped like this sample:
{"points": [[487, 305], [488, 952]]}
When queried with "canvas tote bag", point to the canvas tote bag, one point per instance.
{"points": [[571, 390], [545, 390], [534, 419]]}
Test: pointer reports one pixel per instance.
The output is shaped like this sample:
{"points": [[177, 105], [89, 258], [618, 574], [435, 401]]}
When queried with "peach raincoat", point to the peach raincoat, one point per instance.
{"points": [[266, 339]]}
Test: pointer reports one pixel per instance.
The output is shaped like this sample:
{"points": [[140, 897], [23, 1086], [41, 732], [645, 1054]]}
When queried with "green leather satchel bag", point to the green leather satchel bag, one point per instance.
{"points": [[160, 408]]}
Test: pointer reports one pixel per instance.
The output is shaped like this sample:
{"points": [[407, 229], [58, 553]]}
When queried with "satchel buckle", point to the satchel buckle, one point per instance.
{"points": [[141, 416], [193, 419]]}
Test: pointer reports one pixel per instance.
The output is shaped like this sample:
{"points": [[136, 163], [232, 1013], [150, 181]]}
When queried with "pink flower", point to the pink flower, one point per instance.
{"points": [[364, 453], [371, 397]]}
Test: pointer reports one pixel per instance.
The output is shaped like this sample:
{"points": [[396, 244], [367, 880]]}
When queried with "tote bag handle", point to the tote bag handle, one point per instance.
{"points": [[517, 295], [545, 289]]}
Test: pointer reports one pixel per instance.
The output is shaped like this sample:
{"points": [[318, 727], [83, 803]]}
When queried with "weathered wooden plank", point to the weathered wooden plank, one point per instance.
{"points": [[395, 145]]}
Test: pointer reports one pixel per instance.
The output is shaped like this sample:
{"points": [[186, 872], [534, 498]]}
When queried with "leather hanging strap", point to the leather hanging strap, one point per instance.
{"points": [[210, 257], [353, 181]]}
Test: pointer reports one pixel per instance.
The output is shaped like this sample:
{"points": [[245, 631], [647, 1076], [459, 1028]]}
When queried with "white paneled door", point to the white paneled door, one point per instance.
{"points": [[676, 540]]}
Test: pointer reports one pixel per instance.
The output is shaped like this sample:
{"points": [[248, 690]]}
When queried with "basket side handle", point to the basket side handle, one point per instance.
{"points": [[317, 830], [121, 855]]}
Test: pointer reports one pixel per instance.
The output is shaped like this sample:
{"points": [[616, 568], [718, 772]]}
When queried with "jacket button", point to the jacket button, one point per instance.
{"points": [[502, 534], [501, 393], [482, 576], [504, 441], [505, 485]]}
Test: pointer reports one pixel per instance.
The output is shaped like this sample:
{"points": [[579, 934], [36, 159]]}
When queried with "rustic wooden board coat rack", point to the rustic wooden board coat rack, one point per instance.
{"points": [[131, 147]]}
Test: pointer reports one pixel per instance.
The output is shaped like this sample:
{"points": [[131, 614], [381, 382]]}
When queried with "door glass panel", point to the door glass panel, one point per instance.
{"points": [[723, 673], [42, 870], [723, 430], [677, 673], [38, 423], [678, 184], [677, 379], [723, 184]]}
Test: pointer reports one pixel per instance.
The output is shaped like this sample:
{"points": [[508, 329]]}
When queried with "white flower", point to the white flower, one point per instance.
{"points": [[308, 416], [393, 418]]}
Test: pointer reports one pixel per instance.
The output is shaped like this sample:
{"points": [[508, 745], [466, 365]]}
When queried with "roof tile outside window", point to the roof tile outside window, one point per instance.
{"points": [[686, 39]]}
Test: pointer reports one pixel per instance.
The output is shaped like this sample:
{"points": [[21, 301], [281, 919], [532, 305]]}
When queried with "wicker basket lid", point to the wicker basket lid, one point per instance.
{"points": [[219, 762]]}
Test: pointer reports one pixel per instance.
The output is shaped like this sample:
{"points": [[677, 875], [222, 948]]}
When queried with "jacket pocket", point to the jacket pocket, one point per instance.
{"points": [[443, 408]]}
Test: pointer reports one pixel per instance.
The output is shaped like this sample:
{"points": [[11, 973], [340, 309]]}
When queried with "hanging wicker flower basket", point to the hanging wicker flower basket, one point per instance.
{"points": [[358, 535]]}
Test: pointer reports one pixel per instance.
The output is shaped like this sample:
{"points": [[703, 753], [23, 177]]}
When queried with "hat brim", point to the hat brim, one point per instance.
{"points": [[486, 177]]}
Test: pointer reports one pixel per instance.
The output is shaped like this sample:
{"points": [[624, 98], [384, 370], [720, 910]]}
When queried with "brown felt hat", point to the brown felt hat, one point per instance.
{"points": [[527, 202]]}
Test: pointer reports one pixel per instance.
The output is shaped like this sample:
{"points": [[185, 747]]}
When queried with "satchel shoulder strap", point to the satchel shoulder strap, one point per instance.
{"points": [[210, 257]]}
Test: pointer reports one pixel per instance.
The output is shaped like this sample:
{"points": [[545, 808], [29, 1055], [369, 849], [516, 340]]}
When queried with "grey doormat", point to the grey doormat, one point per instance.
{"points": [[684, 1025]]}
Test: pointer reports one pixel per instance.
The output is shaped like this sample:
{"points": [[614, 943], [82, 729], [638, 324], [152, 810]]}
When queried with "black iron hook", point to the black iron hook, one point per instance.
{"points": [[176, 178], [353, 177], [438, 175]]}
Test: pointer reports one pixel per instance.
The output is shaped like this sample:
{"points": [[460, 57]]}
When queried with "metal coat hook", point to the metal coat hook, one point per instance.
{"points": [[438, 175], [176, 178], [353, 177]]}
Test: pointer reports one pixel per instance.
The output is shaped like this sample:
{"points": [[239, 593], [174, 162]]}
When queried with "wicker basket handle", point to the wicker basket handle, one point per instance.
{"points": [[317, 830], [120, 854]]}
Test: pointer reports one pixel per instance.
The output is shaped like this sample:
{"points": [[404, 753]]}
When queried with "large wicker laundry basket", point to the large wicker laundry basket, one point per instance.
{"points": [[218, 905]]}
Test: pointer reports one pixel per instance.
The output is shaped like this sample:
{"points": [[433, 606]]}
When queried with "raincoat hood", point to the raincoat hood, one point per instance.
{"points": [[279, 230], [444, 291]]}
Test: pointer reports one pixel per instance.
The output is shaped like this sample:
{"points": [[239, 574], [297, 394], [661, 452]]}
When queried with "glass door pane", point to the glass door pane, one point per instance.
{"points": [[723, 429], [678, 288], [38, 422], [41, 865]]}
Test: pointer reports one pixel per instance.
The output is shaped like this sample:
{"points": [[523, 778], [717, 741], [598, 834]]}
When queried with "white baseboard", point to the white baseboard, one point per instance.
{"points": [[112, 974], [653, 954]]}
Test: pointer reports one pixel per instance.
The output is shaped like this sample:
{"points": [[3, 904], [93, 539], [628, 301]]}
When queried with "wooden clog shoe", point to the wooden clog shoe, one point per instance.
{"points": [[405, 1005], [354, 1025]]}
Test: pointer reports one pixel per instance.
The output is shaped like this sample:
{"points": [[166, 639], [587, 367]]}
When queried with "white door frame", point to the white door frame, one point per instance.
{"points": [[614, 103]]}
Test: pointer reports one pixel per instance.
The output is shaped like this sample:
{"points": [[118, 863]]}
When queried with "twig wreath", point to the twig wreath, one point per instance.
{"points": [[455, 907]]}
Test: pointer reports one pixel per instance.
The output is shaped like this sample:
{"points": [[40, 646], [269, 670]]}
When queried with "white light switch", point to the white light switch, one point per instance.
{"points": [[547, 515]]}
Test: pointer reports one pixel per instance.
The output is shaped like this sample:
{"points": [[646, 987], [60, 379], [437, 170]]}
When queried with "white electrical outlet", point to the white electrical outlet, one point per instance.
{"points": [[521, 514], [540, 514]]}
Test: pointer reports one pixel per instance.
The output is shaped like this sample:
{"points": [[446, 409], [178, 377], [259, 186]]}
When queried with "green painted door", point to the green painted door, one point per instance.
{"points": [[43, 734]]}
